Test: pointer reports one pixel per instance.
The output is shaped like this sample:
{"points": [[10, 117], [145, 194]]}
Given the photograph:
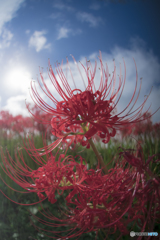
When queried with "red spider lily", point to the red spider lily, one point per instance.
{"points": [[127, 194], [51, 176], [100, 201], [6, 120], [145, 127], [89, 190], [58, 176], [44, 129], [156, 130], [11, 126], [87, 112], [138, 160], [148, 195], [20, 124]]}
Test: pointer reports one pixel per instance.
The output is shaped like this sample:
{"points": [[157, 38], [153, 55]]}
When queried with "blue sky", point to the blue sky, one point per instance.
{"points": [[31, 31]]}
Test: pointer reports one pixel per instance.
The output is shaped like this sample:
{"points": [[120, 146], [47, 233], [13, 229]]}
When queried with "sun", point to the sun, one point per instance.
{"points": [[18, 80]]}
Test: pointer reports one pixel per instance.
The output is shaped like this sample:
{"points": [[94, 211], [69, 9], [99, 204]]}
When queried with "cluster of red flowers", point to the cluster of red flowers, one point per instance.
{"points": [[13, 126], [95, 200], [145, 128], [104, 198]]}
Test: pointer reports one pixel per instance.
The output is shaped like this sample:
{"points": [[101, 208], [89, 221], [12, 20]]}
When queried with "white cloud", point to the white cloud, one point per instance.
{"points": [[6, 36], [38, 41], [27, 31], [76, 32], [58, 4], [89, 18], [95, 6], [57, 15], [8, 10], [63, 33], [17, 80], [16, 105]]}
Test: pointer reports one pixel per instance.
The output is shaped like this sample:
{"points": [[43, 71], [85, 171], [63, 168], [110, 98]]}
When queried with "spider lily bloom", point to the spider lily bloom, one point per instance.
{"points": [[148, 195], [100, 202], [51, 176], [58, 176], [42, 117], [144, 127], [6, 120], [137, 160], [156, 131], [96, 201], [89, 112]]}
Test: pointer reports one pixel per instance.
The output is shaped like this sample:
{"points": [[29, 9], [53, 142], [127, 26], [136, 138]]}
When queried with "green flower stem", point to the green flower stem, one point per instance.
{"points": [[99, 157], [100, 234]]}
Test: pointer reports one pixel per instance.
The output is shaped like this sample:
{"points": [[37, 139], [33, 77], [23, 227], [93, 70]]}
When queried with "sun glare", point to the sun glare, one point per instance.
{"points": [[18, 80]]}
